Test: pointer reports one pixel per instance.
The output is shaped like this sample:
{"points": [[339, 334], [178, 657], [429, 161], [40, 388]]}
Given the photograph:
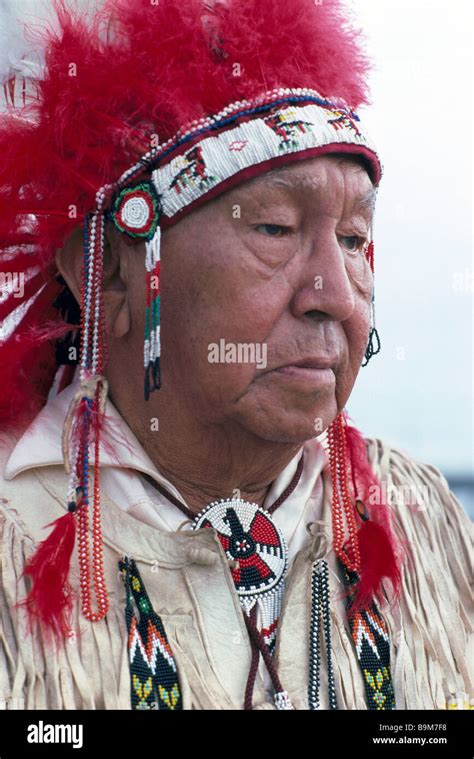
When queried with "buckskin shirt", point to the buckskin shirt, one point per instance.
{"points": [[189, 582]]}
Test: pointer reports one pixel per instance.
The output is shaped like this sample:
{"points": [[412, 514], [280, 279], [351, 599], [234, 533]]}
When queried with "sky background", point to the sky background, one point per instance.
{"points": [[417, 393]]}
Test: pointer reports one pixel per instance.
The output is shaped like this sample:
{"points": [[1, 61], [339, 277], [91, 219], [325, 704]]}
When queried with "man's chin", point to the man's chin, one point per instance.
{"points": [[275, 414]]}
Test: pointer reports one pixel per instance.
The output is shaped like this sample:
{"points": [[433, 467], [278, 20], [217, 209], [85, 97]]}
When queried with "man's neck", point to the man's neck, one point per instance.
{"points": [[206, 462]]}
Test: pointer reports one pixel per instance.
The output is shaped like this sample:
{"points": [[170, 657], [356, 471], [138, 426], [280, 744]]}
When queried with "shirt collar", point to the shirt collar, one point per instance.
{"points": [[41, 443]]}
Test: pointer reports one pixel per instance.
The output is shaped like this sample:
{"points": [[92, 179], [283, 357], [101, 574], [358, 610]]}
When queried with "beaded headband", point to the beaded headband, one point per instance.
{"points": [[213, 152]]}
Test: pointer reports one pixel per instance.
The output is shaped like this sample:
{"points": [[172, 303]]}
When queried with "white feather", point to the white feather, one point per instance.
{"points": [[20, 47], [23, 24]]}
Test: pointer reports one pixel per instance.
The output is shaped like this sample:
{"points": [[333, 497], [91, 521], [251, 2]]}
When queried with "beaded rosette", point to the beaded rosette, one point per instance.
{"points": [[257, 554]]}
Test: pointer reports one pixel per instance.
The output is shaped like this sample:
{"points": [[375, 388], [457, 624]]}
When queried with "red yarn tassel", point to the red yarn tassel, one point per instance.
{"points": [[49, 599]]}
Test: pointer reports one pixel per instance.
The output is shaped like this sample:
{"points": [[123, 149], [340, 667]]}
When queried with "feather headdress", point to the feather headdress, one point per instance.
{"points": [[138, 111]]}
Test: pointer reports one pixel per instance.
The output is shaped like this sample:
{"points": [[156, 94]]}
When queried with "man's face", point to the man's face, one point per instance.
{"points": [[278, 264]]}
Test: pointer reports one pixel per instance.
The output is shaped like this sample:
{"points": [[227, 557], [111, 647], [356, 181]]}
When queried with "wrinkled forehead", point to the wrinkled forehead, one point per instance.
{"points": [[311, 177]]}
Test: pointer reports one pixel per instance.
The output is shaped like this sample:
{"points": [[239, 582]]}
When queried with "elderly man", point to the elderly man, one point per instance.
{"points": [[261, 564]]}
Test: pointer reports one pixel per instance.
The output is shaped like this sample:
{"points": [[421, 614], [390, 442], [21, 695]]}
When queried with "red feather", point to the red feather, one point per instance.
{"points": [[27, 368], [380, 551], [29, 289], [50, 598], [378, 561]]}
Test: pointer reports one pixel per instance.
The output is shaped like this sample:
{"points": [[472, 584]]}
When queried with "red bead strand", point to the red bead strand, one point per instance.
{"points": [[343, 513], [96, 349]]}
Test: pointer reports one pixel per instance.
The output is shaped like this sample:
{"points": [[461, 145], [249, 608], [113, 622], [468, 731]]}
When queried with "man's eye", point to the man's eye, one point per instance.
{"points": [[273, 230], [352, 243]]}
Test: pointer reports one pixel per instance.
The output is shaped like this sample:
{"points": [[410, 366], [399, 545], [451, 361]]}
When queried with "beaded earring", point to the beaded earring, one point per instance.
{"points": [[136, 213], [373, 345]]}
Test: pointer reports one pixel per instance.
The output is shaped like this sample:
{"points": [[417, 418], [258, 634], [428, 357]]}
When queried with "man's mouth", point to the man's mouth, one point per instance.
{"points": [[312, 371]]}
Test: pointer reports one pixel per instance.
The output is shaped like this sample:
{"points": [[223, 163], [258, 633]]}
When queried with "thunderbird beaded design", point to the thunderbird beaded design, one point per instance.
{"points": [[343, 120], [153, 672], [251, 539], [288, 127], [257, 549], [192, 172]]}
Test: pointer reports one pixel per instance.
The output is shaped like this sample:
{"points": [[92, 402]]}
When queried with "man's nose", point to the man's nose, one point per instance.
{"points": [[324, 285]]}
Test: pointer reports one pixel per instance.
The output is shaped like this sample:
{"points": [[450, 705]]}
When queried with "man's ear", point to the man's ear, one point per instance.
{"points": [[69, 260]]}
